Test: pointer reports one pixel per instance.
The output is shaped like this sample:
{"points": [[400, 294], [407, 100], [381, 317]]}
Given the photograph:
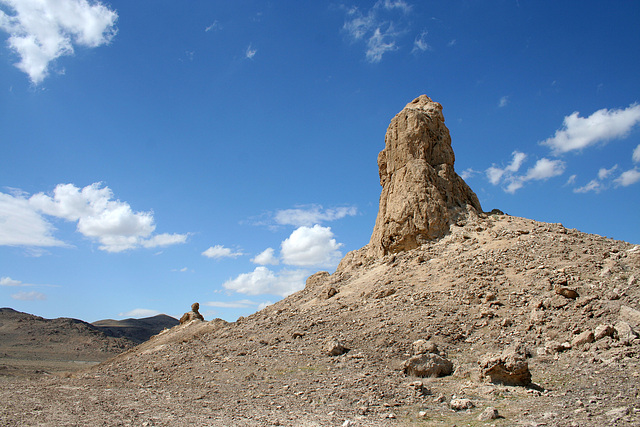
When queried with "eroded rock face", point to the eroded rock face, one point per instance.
{"points": [[421, 193]]}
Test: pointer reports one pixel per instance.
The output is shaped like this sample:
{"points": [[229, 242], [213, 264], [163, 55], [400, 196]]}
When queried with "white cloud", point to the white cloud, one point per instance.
{"points": [[8, 281], [140, 312], [311, 246], [266, 257], [468, 173], [215, 25], [628, 178], [495, 174], [420, 43], [245, 303], [219, 251], [111, 222], [21, 225], [314, 214], [542, 170], [42, 31], [264, 281], [250, 53], [593, 185], [636, 154], [603, 173], [391, 4], [571, 180], [504, 101], [545, 169], [29, 296], [376, 28], [380, 43], [603, 125]]}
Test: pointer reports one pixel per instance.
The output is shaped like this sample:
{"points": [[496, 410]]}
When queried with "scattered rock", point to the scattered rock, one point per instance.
{"points": [[567, 292], [489, 414], [194, 314], [428, 365], [631, 316], [509, 368], [461, 404], [581, 339], [335, 348], [603, 331], [624, 332], [424, 346]]}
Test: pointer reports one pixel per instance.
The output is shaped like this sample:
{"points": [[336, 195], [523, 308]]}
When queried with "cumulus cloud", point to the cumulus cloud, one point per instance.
{"points": [[542, 170], [602, 126], [111, 222], [264, 281], [29, 296], [42, 31], [604, 173], [377, 29], [21, 225], [310, 215], [311, 246], [219, 251], [495, 174], [140, 312], [628, 178], [266, 257]]}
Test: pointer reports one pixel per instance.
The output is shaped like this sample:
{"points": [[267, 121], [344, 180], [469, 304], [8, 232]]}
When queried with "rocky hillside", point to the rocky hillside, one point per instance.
{"points": [[38, 344], [491, 320]]}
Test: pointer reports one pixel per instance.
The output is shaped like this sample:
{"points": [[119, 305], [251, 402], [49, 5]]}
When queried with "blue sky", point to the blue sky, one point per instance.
{"points": [[157, 153]]}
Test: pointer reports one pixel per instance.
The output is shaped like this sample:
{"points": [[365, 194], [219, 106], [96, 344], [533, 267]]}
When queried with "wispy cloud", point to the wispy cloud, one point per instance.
{"points": [[29, 296], [8, 281], [312, 214], [215, 26], [604, 125], [42, 31], [504, 101], [377, 28], [250, 52]]}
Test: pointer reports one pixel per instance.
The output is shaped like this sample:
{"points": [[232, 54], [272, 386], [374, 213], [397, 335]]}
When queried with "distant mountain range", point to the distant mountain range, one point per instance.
{"points": [[31, 343]]}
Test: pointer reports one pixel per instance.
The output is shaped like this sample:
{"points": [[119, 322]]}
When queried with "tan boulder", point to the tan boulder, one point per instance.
{"points": [[421, 193]]}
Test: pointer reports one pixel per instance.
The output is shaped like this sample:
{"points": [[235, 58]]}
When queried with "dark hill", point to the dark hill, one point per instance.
{"points": [[136, 330]]}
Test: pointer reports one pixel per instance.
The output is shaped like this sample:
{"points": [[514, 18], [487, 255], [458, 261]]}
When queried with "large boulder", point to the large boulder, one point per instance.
{"points": [[508, 368], [421, 193]]}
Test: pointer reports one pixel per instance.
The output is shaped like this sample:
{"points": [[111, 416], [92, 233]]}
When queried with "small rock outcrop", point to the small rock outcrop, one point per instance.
{"points": [[509, 368], [192, 315], [421, 193]]}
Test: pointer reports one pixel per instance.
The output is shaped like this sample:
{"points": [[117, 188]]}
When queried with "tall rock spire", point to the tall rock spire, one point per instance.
{"points": [[421, 193]]}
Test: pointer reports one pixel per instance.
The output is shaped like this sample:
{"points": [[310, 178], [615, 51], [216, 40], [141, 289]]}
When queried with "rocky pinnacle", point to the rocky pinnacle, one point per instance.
{"points": [[421, 193]]}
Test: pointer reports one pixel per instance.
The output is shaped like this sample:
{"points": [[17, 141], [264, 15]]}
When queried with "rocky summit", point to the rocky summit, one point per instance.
{"points": [[449, 316]]}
